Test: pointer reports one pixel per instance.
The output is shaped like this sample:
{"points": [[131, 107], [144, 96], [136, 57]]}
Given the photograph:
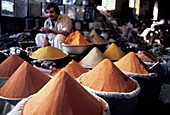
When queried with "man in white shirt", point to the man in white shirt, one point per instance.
{"points": [[56, 28]]}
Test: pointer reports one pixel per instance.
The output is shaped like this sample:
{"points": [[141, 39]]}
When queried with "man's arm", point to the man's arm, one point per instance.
{"points": [[47, 30], [66, 24]]}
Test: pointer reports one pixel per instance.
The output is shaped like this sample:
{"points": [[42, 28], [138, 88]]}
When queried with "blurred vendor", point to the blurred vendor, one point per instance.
{"points": [[56, 28]]}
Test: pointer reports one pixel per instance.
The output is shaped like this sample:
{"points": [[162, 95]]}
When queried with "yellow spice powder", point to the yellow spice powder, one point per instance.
{"points": [[48, 52], [113, 52]]}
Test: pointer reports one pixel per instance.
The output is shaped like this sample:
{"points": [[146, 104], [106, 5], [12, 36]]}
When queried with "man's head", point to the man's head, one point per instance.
{"points": [[52, 10]]}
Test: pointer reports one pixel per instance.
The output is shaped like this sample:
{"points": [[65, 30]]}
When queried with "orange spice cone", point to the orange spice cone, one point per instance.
{"points": [[94, 57], [62, 95], [107, 77], [25, 81], [108, 82], [149, 82], [113, 52], [10, 65], [76, 38], [131, 63], [73, 68]]}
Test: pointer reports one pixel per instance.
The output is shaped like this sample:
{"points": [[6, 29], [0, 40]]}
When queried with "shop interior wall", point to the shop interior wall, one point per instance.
{"points": [[17, 24], [12, 25]]}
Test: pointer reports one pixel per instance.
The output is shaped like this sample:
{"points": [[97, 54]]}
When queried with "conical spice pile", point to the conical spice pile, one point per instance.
{"points": [[147, 57], [25, 81], [94, 57], [113, 52], [95, 38], [48, 53], [73, 68], [131, 63], [10, 65], [107, 77], [76, 39], [62, 95]]}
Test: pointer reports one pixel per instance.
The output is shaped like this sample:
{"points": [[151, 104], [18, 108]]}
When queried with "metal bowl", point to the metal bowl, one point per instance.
{"points": [[73, 49]]}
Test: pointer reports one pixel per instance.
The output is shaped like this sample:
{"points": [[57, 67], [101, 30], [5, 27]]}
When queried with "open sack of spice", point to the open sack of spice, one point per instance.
{"points": [[149, 81], [64, 95], [25, 81], [108, 82], [133, 66]]}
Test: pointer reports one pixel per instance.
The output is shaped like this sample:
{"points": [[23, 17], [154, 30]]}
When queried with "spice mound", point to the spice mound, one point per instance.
{"points": [[94, 57], [73, 68], [65, 96], [113, 52], [131, 63], [76, 39], [10, 65], [95, 38], [25, 81], [48, 53], [107, 77], [147, 57]]}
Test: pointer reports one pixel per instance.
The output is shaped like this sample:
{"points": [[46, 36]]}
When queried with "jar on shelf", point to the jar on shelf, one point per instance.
{"points": [[77, 25]]}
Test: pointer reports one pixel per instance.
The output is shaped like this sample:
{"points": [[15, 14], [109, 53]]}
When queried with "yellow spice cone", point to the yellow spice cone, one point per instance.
{"points": [[48, 53], [113, 52]]}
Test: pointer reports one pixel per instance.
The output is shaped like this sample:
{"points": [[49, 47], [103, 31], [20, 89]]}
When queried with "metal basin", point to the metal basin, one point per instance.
{"points": [[72, 49]]}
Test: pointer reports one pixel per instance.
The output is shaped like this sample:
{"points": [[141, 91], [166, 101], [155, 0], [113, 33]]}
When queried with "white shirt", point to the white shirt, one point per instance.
{"points": [[63, 23]]}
